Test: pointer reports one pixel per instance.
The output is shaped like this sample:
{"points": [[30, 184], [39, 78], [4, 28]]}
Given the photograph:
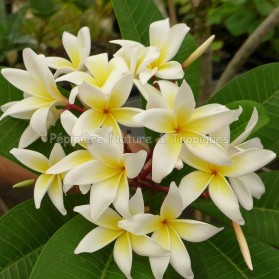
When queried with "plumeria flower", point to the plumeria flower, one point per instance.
{"points": [[78, 48], [46, 183], [215, 177], [169, 232], [106, 107], [100, 72], [174, 115], [126, 242], [40, 95], [137, 58], [168, 41], [108, 173], [250, 185]]}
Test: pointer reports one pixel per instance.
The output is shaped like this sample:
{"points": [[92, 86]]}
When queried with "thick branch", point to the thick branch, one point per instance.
{"points": [[248, 48]]}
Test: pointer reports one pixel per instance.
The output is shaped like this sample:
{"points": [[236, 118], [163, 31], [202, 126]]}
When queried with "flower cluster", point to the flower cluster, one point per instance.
{"points": [[108, 169]]}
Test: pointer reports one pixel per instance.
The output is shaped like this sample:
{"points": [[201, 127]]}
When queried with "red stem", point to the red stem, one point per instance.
{"points": [[74, 107]]}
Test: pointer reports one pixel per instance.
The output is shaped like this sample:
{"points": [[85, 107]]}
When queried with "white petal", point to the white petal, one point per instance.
{"points": [[88, 173], [96, 240], [87, 123], [121, 91], [242, 193], [42, 185], [136, 203], [193, 185], [84, 210], [141, 224], [125, 116], [84, 189], [122, 254], [165, 156], [27, 137], [184, 104], [172, 205], [146, 74], [169, 91], [247, 161], [84, 41], [209, 124], [25, 105], [251, 143], [102, 194], [121, 201], [160, 264], [71, 46], [248, 129], [179, 257], [109, 219], [158, 101], [58, 62], [72, 160], [146, 246], [105, 152], [170, 70], [158, 32], [157, 119], [146, 89], [134, 162], [32, 159], [93, 96], [55, 193], [38, 120], [208, 110], [203, 147], [223, 196], [68, 120], [174, 40], [57, 154], [254, 184], [77, 78], [194, 231], [22, 80]]}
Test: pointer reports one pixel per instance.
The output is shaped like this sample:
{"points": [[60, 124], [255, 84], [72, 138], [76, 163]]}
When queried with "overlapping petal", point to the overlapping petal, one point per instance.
{"points": [[134, 162], [223, 196]]}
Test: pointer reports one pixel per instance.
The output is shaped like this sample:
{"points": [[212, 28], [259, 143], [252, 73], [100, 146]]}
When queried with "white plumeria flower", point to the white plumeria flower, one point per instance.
{"points": [[137, 58], [78, 48], [108, 173], [250, 185], [106, 108], [108, 231], [168, 41], [40, 94], [100, 72], [168, 231], [46, 183], [220, 190], [173, 114]]}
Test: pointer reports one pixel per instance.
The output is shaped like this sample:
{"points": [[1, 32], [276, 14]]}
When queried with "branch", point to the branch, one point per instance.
{"points": [[248, 48]]}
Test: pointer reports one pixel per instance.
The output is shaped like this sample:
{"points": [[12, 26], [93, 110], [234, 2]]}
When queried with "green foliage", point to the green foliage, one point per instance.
{"points": [[24, 232], [261, 85]]}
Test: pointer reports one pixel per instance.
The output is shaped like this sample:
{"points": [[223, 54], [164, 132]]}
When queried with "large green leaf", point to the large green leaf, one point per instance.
{"points": [[260, 85], [24, 232], [220, 258]]}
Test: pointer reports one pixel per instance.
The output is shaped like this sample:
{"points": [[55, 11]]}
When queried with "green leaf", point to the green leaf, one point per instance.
{"points": [[220, 258], [261, 85], [24, 232], [134, 18], [58, 260]]}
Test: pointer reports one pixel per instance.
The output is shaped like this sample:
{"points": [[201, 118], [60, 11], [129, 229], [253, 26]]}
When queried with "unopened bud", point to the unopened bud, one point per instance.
{"points": [[243, 245], [198, 52], [24, 183]]}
